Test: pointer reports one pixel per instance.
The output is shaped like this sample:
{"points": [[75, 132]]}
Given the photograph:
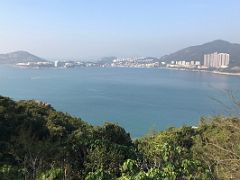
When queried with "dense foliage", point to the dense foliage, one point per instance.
{"points": [[37, 142]]}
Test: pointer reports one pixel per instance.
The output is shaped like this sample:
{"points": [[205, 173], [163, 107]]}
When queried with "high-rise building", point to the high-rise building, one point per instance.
{"points": [[56, 63], [224, 59], [216, 60]]}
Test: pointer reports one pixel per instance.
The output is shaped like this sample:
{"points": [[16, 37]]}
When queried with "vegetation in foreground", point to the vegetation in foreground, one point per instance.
{"points": [[37, 142]]}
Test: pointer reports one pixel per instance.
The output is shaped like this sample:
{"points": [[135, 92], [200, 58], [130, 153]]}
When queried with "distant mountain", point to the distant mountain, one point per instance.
{"points": [[197, 52], [17, 57]]}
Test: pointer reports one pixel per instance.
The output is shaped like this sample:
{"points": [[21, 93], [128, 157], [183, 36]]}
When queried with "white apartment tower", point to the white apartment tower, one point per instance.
{"points": [[216, 60], [56, 63]]}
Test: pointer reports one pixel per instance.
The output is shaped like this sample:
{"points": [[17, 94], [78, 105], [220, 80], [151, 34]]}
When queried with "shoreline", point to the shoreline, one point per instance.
{"points": [[168, 68], [226, 73], [205, 71]]}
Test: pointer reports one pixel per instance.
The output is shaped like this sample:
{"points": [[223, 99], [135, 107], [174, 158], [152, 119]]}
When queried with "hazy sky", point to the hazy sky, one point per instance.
{"points": [[94, 28]]}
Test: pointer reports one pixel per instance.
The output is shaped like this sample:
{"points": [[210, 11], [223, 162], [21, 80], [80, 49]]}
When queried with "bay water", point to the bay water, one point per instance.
{"points": [[140, 100]]}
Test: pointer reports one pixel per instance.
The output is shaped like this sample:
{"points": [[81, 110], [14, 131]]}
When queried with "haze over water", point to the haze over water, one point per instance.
{"points": [[137, 99]]}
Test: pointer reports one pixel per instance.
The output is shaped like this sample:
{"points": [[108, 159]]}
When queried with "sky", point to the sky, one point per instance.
{"points": [[58, 29]]}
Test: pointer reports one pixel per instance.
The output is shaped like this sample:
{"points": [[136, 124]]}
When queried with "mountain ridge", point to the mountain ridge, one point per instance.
{"points": [[19, 56], [197, 52]]}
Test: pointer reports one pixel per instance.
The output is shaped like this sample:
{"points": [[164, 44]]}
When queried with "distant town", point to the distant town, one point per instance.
{"points": [[213, 61]]}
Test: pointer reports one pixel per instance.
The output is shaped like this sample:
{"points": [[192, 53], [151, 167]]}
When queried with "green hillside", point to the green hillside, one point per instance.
{"points": [[19, 57], [197, 52], [37, 142]]}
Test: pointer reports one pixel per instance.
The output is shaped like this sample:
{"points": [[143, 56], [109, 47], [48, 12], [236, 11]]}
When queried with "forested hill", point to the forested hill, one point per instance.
{"points": [[197, 52], [37, 142], [18, 57]]}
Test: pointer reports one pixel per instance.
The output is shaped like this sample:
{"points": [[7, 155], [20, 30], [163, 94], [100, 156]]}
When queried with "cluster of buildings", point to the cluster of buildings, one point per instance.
{"points": [[210, 61], [135, 62], [184, 64], [68, 64], [35, 64], [216, 60], [57, 64], [72, 64]]}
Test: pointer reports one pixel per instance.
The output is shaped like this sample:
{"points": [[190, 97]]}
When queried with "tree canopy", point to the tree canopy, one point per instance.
{"points": [[37, 142]]}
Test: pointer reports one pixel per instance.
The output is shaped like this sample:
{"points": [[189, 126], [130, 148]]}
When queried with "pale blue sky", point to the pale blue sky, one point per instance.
{"points": [[95, 28]]}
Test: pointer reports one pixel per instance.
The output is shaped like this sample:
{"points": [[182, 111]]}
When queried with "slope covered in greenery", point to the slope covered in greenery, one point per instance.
{"points": [[197, 52], [37, 142]]}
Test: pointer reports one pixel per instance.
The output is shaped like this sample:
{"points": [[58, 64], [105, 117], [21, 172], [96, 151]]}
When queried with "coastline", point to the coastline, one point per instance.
{"points": [[206, 71], [226, 73], [168, 68]]}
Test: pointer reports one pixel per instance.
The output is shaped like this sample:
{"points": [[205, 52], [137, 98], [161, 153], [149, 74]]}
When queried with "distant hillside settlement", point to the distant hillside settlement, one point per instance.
{"points": [[215, 56], [211, 61]]}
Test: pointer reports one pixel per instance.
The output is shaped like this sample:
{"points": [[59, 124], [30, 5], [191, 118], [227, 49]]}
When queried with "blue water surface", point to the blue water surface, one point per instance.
{"points": [[137, 99]]}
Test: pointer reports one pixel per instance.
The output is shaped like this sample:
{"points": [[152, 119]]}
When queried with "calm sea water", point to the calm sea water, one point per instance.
{"points": [[137, 99]]}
